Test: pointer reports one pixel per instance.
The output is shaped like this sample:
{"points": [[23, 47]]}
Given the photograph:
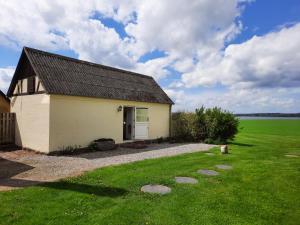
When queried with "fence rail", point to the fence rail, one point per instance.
{"points": [[7, 128]]}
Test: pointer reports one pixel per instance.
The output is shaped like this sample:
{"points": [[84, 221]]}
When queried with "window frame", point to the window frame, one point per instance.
{"points": [[146, 118]]}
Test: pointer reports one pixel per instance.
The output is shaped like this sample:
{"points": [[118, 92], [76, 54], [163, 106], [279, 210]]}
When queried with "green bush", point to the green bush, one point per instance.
{"points": [[220, 125], [183, 126], [208, 125], [200, 124]]}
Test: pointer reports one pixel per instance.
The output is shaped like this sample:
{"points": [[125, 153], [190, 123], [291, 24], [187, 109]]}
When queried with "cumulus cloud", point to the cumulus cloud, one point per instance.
{"points": [[171, 26], [58, 25], [30, 22], [155, 67], [239, 101], [271, 60], [102, 44], [194, 37], [5, 77], [184, 29]]}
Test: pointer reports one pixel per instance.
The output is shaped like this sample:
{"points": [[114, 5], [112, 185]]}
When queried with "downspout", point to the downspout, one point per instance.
{"points": [[170, 120]]}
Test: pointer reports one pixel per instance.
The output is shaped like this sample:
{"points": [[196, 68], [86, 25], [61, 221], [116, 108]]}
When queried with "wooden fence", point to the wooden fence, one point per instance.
{"points": [[7, 128]]}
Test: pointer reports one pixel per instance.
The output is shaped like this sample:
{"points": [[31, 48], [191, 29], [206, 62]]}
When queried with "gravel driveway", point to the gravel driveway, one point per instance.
{"points": [[22, 168]]}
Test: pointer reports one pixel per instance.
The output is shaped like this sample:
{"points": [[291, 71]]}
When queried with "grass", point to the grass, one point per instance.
{"points": [[263, 187]]}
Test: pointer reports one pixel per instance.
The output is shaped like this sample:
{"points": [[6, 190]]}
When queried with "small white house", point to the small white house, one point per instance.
{"points": [[63, 102]]}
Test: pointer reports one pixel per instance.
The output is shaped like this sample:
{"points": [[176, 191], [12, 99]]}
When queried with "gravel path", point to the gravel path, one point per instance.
{"points": [[22, 168]]}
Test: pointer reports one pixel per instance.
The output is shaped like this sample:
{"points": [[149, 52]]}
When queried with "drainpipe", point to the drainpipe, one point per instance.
{"points": [[170, 121]]}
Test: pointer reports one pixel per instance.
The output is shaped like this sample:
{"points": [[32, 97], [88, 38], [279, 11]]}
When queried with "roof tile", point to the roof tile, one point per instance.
{"points": [[68, 76]]}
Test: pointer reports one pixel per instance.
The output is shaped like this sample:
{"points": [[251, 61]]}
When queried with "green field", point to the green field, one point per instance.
{"points": [[263, 187]]}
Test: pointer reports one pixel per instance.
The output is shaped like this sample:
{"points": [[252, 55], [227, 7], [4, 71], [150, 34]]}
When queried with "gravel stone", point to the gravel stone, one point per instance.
{"points": [[156, 189], [208, 172], [186, 180], [28, 168]]}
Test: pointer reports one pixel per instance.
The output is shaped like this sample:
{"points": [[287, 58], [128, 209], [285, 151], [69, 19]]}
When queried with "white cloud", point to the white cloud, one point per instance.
{"points": [[239, 101], [193, 36], [178, 97], [155, 67], [182, 28], [176, 84], [58, 25], [184, 65], [27, 23], [102, 44], [170, 26], [5, 77], [271, 60]]}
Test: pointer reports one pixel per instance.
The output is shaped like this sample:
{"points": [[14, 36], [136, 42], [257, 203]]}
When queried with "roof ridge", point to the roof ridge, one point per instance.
{"points": [[85, 62]]}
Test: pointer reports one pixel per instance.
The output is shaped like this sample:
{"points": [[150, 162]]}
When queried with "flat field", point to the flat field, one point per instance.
{"points": [[263, 187]]}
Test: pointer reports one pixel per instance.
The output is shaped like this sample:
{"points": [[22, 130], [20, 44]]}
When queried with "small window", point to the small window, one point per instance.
{"points": [[31, 85], [142, 115]]}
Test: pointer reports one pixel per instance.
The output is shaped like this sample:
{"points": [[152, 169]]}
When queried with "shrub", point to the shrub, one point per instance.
{"points": [[209, 125], [183, 126], [220, 125], [200, 124]]}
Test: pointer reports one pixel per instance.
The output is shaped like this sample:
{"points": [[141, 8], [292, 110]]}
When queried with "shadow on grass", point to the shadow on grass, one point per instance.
{"points": [[241, 144], [98, 190]]}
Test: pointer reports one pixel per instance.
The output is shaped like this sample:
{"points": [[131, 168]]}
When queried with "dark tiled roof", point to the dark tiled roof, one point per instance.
{"points": [[67, 76]]}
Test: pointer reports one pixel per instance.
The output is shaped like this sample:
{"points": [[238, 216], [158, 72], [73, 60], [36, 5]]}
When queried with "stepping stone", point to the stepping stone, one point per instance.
{"points": [[224, 167], [186, 180], [208, 172], [209, 153], [156, 189], [293, 156]]}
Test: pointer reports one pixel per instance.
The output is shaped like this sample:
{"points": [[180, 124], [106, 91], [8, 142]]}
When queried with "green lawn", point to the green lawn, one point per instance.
{"points": [[262, 188]]}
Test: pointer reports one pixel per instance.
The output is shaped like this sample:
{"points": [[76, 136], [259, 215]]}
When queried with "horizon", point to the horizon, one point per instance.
{"points": [[239, 56]]}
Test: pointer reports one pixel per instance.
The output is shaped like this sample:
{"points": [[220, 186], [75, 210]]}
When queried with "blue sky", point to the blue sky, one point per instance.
{"points": [[240, 55]]}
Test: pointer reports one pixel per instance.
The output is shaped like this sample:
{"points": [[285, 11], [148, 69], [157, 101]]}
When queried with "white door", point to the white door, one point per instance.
{"points": [[141, 123]]}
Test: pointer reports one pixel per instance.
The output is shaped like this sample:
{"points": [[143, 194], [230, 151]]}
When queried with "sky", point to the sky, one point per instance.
{"points": [[241, 55]]}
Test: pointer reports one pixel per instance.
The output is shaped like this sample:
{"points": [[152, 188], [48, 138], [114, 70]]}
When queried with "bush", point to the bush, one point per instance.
{"points": [[183, 126], [208, 125], [200, 124], [220, 125]]}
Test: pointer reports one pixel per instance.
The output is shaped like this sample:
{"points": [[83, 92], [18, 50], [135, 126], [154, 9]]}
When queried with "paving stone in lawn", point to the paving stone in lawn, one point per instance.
{"points": [[208, 172], [156, 189], [292, 156], [224, 167], [209, 153], [186, 180]]}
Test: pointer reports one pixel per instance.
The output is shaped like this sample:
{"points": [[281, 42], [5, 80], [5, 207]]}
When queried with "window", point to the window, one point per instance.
{"points": [[30, 85], [142, 115]]}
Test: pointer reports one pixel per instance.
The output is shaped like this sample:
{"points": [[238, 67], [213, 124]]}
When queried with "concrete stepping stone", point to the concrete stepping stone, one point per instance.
{"points": [[224, 167], [209, 153], [156, 189], [208, 172], [292, 156], [186, 180]]}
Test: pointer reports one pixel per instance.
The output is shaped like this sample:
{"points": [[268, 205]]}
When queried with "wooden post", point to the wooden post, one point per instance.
{"points": [[7, 128]]}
